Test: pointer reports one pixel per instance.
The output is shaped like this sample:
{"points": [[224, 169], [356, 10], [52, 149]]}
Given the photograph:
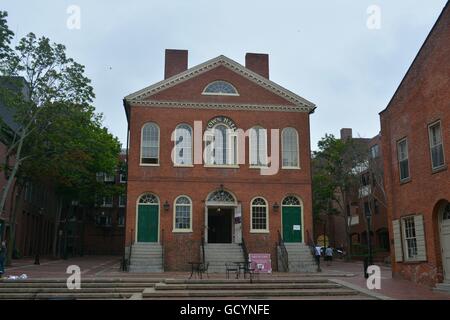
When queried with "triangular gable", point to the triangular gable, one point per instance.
{"points": [[141, 96]]}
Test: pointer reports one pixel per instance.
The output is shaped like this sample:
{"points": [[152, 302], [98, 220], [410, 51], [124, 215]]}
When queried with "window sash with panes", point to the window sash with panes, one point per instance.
{"points": [[259, 215], [150, 144], [122, 200], [375, 151], [403, 159], [107, 201], [183, 209], [436, 146], [410, 237]]}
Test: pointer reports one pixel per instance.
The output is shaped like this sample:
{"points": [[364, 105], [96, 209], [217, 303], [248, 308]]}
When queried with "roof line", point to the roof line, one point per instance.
{"points": [[416, 57]]}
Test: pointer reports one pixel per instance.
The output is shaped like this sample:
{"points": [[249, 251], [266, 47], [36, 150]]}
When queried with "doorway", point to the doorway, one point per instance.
{"points": [[220, 225], [444, 226]]}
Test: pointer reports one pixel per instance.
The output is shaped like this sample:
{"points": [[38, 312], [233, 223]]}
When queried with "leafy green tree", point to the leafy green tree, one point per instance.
{"points": [[336, 176], [59, 139]]}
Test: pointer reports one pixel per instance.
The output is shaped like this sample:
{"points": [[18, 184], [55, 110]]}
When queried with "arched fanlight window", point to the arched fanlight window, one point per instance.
{"points": [[221, 146], [220, 87], [150, 144], [258, 147], [183, 145], [148, 198], [291, 201], [183, 214], [259, 215], [289, 146]]}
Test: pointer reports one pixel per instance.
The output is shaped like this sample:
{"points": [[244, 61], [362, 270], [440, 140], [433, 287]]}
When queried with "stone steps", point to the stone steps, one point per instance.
{"points": [[300, 258], [218, 254], [146, 257], [267, 288], [442, 287], [56, 289]]}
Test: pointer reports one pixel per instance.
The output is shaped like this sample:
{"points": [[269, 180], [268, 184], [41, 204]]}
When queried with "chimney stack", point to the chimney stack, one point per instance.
{"points": [[346, 133], [258, 62], [176, 62]]}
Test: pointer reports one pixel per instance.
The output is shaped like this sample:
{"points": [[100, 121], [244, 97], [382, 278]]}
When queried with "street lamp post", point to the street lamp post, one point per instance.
{"points": [[368, 260]]}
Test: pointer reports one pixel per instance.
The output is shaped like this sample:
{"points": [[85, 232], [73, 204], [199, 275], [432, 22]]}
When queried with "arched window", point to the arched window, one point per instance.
{"points": [[183, 214], [183, 145], [291, 201], [150, 144], [289, 145], [148, 198], [260, 217], [258, 147], [220, 87], [221, 146]]}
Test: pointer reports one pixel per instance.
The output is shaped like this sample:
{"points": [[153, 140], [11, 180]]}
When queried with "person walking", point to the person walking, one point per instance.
{"points": [[317, 254], [328, 255], [2, 258]]}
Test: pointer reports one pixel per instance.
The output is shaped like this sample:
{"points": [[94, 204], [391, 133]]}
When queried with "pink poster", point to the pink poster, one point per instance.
{"points": [[260, 262]]}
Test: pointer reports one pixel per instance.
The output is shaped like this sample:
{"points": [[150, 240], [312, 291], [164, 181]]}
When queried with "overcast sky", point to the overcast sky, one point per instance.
{"points": [[321, 50]]}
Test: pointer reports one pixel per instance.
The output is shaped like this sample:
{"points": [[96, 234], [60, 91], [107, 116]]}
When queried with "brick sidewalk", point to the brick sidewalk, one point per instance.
{"points": [[108, 267], [394, 288]]}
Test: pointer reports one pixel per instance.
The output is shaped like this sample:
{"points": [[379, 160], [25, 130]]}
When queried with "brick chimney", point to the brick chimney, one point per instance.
{"points": [[258, 62], [176, 62], [346, 133]]}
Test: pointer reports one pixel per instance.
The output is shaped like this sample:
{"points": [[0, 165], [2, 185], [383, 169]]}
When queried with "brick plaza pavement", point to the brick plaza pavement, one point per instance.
{"points": [[108, 267]]}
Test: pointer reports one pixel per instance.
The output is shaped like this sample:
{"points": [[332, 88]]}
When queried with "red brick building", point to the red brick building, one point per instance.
{"points": [[211, 187], [367, 197], [415, 129]]}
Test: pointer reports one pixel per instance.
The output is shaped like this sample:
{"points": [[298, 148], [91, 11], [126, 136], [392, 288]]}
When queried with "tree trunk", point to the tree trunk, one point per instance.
{"points": [[56, 230], [12, 176], [12, 222]]}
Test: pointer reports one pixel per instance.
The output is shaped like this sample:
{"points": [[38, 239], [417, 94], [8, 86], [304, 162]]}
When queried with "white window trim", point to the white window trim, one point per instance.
{"points": [[210, 132], [404, 240], [250, 144], [159, 147], [298, 151], [442, 144], [407, 158], [267, 229], [104, 205], [120, 178], [123, 196], [192, 146], [219, 93], [178, 230]]}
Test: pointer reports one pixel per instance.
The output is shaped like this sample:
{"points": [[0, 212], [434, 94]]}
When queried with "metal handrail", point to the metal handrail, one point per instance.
{"points": [[203, 247], [244, 250], [284, 253], [162, 248], [312, 247]]}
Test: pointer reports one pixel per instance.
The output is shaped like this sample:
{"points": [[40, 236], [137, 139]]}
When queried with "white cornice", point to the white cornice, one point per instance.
{"points": [[140, 96], [219, 106]]}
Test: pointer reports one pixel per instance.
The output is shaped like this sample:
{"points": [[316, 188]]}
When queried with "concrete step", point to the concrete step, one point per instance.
{"points": [[152, 293], [65, 290], [245, 286], [65, 296], [442, 287], [151, 269], [274, 280]]}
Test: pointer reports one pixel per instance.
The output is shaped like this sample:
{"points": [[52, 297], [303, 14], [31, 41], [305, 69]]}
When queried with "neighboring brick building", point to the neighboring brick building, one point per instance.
{"points": [[415, 129], [226, 198], [31, 206], [367, 197]]}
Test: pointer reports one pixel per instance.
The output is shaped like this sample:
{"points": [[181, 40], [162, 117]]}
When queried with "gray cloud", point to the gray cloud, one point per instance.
{"points": [[321, 50]]}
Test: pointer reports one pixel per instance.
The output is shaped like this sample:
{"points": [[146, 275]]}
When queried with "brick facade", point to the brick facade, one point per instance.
{"points": [[167, 181], [422, 98]]}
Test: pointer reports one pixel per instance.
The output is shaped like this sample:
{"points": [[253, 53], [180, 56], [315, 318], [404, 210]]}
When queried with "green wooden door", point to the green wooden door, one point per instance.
{"points": [[292, 224], [147, 223]]}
